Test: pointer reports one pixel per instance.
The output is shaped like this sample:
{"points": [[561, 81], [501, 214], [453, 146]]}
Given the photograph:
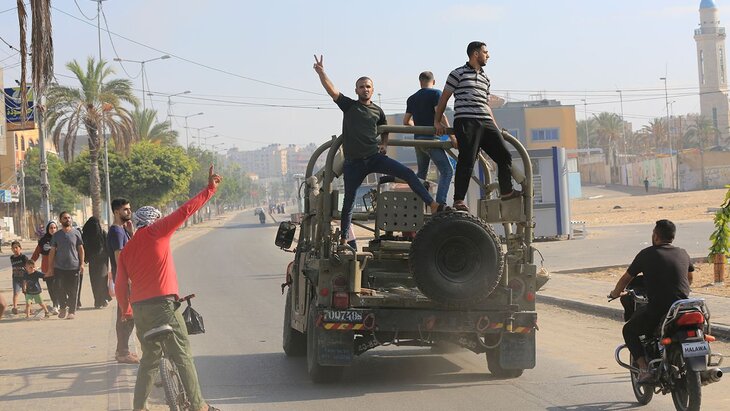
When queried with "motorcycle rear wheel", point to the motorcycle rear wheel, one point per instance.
{"points": [[686, 393], [643, 393]]}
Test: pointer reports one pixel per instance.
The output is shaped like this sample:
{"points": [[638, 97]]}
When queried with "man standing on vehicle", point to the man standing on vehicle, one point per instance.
{"points": [[363, 155], [119, 234], [474, 125], [146, 265], [667, 276], [420, 110]]}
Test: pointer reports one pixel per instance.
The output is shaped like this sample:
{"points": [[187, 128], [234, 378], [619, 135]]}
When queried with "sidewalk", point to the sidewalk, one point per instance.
{"points": [[590, 296], [69, 365]]}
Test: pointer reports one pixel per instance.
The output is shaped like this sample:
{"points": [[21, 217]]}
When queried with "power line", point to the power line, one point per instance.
{"points": [[84, 14], [106, 24]]}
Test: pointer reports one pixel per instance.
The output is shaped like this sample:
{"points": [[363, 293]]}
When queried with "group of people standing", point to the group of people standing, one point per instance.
{"points": [[474, 129]]}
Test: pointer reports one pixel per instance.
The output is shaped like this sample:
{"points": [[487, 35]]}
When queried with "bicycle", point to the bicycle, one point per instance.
{"points": [[175, 395]]}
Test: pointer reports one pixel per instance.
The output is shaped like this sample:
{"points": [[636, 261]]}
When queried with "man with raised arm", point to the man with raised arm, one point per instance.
{"points": [[146, 264], [363, 154]]}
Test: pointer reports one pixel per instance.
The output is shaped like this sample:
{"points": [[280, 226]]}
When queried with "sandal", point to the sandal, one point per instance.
{"points": [[443, 208], [461, 207]]}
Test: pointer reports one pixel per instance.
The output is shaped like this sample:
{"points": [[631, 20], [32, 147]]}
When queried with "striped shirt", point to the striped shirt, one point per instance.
{"points": [[471, 92]]}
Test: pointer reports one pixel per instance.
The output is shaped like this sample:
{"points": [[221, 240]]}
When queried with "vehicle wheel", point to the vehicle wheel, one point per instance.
{"points": [[687, 393], [294, 342], [318, 373], [643, 393], [496, 368], [175, 395], [456, 259]]}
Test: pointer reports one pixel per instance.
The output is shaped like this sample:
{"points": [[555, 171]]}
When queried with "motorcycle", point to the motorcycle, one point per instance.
{"points": [[262, 217], [678, 353]]}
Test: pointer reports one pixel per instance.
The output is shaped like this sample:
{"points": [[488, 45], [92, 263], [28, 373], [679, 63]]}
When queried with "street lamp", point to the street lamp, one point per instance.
{"points": [[623, 125], [169, 99], [142, 62], [201, 128], [588, 138], [205, 139], [187, 134], [669, 136]]}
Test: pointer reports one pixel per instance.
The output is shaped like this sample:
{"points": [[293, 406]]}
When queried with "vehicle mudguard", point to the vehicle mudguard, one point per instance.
{"points": [[335, 347], [517, 351], [696, 363]]}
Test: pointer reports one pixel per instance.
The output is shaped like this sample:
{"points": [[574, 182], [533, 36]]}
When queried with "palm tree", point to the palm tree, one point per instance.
{"points": [[41, 48], [657, 129], [95, 106], [589, 140], [146, 127], [608, 130], [700, 134]]}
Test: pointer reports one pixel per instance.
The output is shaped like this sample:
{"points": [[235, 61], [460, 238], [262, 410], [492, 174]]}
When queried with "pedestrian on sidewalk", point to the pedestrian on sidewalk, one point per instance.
{"points": [[119, 234], [42, 250], [66, 262], [96, 255], [17, 261], [420, 111], [646, 185], [146, 264], [474, 125], [32, 288]]}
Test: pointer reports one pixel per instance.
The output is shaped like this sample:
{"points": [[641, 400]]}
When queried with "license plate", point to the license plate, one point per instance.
{"points": [[353, 317], [696, 349]]}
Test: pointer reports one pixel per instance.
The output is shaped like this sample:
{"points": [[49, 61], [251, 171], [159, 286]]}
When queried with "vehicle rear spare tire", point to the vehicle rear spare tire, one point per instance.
{"points": [[456, 259]]}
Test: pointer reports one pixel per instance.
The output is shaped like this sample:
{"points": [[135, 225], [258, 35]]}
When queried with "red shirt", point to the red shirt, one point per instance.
{"points": [[146, 260]]}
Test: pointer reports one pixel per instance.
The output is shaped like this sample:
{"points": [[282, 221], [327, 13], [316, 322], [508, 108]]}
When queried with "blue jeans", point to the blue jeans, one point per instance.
{"points": [[446, 170], [355, 171]]}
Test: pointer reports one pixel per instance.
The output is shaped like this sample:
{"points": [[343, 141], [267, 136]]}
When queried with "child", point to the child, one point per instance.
{"points": [[32, 288], [17, 260]]}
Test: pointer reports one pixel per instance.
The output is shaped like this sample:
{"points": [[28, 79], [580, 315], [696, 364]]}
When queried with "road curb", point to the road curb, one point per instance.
{"points": [[617, 314]]}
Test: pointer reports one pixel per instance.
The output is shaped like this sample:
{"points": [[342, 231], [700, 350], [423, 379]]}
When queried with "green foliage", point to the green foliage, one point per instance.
{"points": [[62, 197], [151, 175], [720, 238]]}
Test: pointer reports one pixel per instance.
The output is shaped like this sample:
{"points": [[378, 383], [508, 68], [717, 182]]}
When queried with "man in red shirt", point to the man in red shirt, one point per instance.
{"points": [[146, 262]]}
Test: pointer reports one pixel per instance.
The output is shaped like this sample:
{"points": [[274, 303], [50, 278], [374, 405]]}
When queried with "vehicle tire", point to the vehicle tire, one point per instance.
{"points": [[496, 368], [643, 393], [175, 394], [456, 259], [318, 373], [687, 393], [293, 341]]}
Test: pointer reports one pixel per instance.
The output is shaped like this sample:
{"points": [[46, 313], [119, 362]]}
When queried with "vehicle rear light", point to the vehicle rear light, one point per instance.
{"points": [[666, 341], [324, 291], [691, 333], [341, 299], [693, 318], [709, 338], [530, 296]]}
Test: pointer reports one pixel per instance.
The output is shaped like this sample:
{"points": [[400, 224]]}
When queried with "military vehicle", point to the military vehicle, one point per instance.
{"points": [[456, 281]]}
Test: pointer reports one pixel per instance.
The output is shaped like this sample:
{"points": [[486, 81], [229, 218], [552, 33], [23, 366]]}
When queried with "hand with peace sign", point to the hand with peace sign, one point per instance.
{"points": [[213, 179], [326, 83]]}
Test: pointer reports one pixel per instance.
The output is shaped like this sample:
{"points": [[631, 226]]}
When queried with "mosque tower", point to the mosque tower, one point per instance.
{"points": [[712, 70]]}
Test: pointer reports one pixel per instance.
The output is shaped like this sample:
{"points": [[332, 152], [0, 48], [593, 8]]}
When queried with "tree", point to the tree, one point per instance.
{"points": [[146, 127], [657, 129], [589, 140], [700, 134], [150, 175], [41, 48], [63, 196], [608, 129], [96, 106]]}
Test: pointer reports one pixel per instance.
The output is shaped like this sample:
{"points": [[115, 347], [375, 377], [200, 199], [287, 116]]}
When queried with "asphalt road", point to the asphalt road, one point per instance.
{"points": [[236, 272]]}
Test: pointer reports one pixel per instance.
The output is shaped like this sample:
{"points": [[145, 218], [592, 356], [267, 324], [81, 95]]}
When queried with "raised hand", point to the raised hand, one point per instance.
{"points": [[319, 64], [213, 179]]}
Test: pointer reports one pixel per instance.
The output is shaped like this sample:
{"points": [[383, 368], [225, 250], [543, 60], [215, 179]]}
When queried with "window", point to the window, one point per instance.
{"points": [[702, 66], [515, 132], [545, 134]]}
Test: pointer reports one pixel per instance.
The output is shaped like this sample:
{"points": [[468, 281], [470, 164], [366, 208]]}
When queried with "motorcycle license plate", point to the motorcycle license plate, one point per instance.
{"points": [[352, 317], [696, 349]]}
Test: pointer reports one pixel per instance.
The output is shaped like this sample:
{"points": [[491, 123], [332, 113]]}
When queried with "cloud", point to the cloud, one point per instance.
{"points": [[472, 12]]}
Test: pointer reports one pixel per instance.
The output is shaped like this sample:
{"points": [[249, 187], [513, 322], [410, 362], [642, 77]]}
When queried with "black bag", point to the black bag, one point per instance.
{"points": [[193, 320]]}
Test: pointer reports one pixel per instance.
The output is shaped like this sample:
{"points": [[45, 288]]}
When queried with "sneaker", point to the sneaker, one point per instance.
{"points": [[461, 207], [54, 310], [511, 195], [70, 316], [127, 359], [62, 313]]}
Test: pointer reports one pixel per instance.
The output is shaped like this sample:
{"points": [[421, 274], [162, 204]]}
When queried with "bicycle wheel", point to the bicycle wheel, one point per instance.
{"points": [[175, 394]]}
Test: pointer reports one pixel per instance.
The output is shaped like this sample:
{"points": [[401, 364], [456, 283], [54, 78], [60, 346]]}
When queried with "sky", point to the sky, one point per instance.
{"points": [[248, 65]]}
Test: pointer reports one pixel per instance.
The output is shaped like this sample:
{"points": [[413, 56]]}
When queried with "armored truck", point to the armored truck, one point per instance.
{"points": [[421, 280]]}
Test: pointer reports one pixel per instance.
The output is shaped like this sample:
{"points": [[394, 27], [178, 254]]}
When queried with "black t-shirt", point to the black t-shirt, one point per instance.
{"points": [[18, 263], [665, 269], [422, 105], [359, 127]]}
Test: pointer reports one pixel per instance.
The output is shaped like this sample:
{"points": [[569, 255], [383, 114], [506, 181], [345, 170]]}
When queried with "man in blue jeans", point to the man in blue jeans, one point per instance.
{"points": [[363, 155], [420, 111]]}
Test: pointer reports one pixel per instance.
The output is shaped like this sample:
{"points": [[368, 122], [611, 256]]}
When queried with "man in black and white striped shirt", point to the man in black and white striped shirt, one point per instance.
{"points": [[474, 125]]}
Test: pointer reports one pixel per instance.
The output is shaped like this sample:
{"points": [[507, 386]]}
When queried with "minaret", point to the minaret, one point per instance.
{"points": [[711, 62]]}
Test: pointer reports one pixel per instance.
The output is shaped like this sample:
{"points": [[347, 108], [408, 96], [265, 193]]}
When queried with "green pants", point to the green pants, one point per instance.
{"points": [[177, 348]]}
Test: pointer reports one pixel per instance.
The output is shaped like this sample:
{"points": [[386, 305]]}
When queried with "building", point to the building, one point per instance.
{"points": [[539, 124], [712, 70], [274, 160]]}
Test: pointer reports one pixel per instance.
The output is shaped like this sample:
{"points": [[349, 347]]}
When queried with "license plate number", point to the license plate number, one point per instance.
{"points": [[696, 349], [342, 316]]}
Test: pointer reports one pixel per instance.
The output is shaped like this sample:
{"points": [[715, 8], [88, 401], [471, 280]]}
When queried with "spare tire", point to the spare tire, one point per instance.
{"points": [[456, 259]]}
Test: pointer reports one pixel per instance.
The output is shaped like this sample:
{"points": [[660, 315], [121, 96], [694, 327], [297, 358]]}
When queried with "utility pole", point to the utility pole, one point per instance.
{"points": [[669, 135], [22, 201], [588, 138], [107, 209], [623, 124]]}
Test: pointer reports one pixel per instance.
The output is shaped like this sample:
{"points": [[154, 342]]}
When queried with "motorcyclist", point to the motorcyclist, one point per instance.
{"points": [[667, 276]]}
